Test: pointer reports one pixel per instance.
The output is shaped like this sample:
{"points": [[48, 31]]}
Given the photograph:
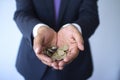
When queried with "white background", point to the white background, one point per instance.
{"points": [[105, 43]]}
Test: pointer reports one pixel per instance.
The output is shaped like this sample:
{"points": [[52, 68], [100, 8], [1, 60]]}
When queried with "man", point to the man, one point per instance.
{"points": [[46, 23]]}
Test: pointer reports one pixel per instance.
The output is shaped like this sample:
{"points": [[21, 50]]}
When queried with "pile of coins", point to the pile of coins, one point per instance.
{"points": [[56, 53]]}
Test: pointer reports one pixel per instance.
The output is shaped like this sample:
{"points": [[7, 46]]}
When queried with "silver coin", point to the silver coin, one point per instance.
{"points": [[50, 50]]}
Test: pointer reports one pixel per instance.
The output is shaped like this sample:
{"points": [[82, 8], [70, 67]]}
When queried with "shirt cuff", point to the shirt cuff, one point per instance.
{"points": [[75, 25], [37, 27]]}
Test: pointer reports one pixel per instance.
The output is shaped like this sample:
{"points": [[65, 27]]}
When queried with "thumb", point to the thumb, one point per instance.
{"points": [[38, 42], [79, 41], [37, 50]]}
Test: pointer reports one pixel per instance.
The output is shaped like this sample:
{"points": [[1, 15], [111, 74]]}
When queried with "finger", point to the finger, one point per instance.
{"points": [[68, 58], [61, 65], [61, 68], [55, 65], [71, 55], [46, 63], [37, 50], [44, 58]]}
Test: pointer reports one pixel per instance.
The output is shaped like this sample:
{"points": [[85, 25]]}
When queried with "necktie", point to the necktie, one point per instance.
{"points": [[57, 7]]}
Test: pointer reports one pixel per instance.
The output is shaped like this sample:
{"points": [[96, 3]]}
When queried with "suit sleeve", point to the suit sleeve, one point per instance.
{"points": [[26, 18], [88, 17]]}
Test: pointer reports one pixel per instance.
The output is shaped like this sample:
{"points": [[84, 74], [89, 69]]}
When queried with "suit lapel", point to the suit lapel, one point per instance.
{"points": [[50, 5], [63, 7], [50, 9]]}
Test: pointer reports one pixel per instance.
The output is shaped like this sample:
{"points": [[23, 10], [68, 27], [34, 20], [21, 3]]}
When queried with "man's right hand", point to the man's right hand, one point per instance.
{"points": [[46, 37]]}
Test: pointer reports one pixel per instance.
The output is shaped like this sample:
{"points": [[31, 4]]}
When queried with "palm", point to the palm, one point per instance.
{"points": [[49, 37], [46, 37], [66, 37]]}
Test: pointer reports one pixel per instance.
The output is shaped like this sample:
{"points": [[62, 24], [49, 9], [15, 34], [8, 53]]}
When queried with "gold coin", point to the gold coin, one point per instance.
{"points": [[54, 56], [56, 53], [60, 52]]}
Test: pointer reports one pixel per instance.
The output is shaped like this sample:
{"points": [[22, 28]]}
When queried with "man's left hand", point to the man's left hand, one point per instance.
{"points": [[71, 37]]}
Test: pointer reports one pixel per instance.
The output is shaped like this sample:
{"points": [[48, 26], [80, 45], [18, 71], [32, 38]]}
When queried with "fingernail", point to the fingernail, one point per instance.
{"points": [[60, 68], [37, 50], [66, 60], [81, 47], [49, 61], [56, 68]]}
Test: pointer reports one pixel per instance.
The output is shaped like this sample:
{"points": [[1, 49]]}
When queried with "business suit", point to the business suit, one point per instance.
{"points": [[31, 12]]}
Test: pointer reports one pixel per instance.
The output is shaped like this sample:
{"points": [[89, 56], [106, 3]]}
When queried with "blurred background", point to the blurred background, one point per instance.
{"points": [[105, 43]]}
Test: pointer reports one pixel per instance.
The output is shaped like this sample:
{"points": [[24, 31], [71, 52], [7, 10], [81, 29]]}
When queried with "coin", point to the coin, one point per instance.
{"points": [[54, 56], [54, 48], [60, 53], [50, 50], [56, 53]]}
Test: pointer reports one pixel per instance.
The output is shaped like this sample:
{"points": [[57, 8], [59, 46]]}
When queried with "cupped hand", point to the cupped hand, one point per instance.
{"points": [[46, 37], [71, 37]]}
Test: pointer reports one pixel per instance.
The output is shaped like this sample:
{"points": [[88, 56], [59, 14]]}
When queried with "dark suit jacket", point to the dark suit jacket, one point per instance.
{"points": [[31, 12]]}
